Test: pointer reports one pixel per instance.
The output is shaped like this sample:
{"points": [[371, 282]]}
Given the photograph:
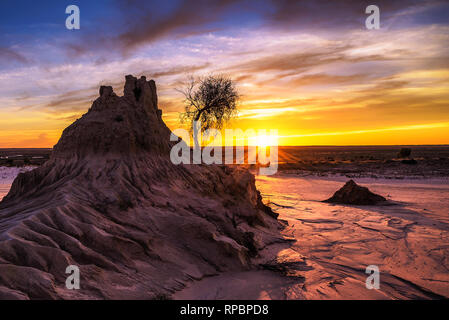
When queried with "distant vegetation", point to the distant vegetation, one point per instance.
{"points": [[23, 157], [404, 153]]}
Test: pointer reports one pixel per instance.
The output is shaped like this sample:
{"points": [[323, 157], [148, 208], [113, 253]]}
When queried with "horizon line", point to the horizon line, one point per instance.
{"points": [[293, 146]]}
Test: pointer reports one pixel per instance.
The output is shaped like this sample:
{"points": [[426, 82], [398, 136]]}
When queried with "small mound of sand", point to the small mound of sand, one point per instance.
{"points": [[352, 193]]}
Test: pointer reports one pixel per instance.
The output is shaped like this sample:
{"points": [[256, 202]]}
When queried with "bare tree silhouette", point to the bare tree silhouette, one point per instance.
{"points": [[210, 102]]}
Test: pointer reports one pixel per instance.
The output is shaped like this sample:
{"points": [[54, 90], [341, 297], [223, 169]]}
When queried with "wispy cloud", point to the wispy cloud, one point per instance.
{"points": [[8, 55], [301, 67]]}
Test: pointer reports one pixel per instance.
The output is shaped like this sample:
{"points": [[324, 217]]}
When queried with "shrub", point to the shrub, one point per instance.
{"points": [[404, 153]]}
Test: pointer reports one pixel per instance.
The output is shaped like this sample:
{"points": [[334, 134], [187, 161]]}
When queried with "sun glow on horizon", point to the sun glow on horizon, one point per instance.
{"points": [[264, 141]]}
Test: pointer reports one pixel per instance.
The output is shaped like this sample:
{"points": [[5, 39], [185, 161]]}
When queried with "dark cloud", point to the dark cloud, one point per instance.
{"points": [[291, 65], [179, 70], [69, 119], [324, 79], [292, 62], [172, 105], [310, 14], [8, 55], [190, 16], [72, 101], [142, 22], [74, 50], [77, 101]]}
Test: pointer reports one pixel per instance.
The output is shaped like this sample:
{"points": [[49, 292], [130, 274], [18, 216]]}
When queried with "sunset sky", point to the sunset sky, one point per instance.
{"points": [[309, 69]]}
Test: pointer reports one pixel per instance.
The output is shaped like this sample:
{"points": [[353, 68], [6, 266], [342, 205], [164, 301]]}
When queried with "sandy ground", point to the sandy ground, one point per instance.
{"points": [[333, 244], [408, 241]]}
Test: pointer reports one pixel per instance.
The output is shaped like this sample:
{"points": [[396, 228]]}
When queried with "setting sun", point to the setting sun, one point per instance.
{"points": [[266, 141]]}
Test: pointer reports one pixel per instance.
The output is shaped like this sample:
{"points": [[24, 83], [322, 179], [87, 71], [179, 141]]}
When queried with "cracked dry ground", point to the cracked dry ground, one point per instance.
{"points": [[408, 240]]}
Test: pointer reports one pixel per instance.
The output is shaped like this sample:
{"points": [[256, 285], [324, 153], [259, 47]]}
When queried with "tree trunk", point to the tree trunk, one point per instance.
{"points": [[196, 126]]}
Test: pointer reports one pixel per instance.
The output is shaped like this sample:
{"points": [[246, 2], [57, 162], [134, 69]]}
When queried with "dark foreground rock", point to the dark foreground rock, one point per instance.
{"points": [[110, 201], [409, 161], [352, 193]]}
